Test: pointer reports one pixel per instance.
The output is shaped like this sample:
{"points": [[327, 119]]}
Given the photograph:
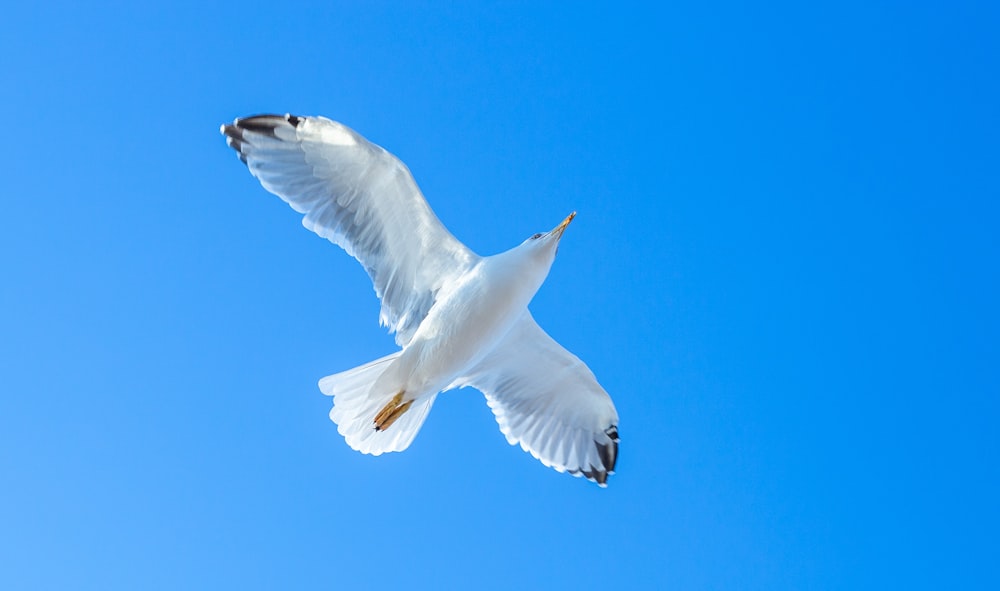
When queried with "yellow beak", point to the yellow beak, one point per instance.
{"points": [[558, 230]]}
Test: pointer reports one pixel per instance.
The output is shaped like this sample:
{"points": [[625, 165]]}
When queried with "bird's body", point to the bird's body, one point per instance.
{"points": [[461, 319], [470, 318]]}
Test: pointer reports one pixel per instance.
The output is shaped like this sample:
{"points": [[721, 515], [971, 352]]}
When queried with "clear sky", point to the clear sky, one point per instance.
{"points": [[784, 270]]}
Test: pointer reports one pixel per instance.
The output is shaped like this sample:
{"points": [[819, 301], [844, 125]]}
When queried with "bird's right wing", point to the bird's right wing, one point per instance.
{"points": [[362, 198], [547, 400]]}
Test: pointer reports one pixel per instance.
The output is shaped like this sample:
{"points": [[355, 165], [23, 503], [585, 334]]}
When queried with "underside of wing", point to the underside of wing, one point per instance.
{"points": [[548, 401], [362, 198]]}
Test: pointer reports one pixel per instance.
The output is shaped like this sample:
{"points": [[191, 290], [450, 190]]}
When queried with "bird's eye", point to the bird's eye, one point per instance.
{"points": [[536, 236]]}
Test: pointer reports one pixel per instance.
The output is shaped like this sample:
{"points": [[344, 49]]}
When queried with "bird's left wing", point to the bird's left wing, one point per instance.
{"points": [[549, 401], [362, 198]]}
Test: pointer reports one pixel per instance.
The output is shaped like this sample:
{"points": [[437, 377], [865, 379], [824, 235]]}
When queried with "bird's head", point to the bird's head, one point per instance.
{"points": [[549, 240], [546, 243]]}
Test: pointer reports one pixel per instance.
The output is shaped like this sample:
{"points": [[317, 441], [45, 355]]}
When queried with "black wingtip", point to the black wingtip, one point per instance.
{"points": [[596, 475], [235, 140], [262, 124], [231, 131], [609, 455], [265, 123]]}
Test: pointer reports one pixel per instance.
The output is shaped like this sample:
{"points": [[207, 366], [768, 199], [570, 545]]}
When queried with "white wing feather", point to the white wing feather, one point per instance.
{"points": [[549, 401], [362, 198]]}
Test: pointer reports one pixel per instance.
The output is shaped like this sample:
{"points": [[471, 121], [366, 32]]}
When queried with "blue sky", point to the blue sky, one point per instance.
{"points": [[784, 270]]}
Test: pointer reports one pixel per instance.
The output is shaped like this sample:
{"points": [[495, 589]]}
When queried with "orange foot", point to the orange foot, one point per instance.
{"points": [[392, 411]]}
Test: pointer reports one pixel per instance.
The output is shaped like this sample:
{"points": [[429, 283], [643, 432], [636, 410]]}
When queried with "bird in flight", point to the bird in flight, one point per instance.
{"points": [[460, 319]]}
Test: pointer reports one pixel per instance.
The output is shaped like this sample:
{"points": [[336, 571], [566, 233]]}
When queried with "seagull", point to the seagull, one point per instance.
{"points": [[460, 319]]}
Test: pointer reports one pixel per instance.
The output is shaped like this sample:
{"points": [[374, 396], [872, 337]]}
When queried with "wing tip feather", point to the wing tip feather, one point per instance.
{"points": [[607, 453], [265, 124]]}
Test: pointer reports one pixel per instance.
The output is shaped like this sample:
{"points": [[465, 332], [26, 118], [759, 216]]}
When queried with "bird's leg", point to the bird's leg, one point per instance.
{"points": [[395, 414], [387, 410], [392, 411]]}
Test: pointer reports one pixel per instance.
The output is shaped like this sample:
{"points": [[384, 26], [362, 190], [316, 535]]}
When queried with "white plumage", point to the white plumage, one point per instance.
{"points": [[460, 319]]}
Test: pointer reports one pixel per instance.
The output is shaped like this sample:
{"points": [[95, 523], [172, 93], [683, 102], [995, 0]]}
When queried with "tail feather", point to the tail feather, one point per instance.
{"points": [[355, 404]]}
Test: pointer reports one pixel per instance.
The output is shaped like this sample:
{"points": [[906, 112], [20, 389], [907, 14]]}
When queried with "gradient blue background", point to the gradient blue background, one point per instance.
{"points": [[784, 269]]}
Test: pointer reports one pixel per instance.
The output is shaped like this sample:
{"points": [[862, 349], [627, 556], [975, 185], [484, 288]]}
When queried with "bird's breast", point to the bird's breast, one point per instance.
{"points": [[468, 320]]}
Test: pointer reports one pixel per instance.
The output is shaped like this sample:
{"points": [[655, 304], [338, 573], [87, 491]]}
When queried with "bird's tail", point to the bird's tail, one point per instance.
{"points": [[356, 404]]}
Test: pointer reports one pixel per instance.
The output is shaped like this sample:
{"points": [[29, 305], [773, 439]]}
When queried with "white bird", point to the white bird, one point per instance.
{"points": [[460, 319]]}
